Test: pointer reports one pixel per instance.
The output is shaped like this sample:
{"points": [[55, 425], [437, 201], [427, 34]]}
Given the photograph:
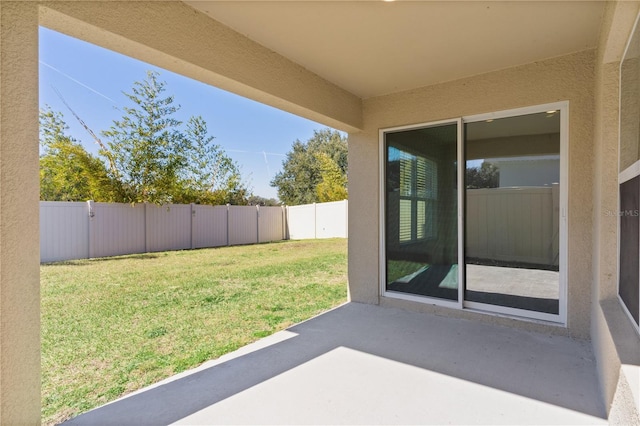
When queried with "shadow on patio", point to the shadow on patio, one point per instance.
{"points": [[363, 364]]}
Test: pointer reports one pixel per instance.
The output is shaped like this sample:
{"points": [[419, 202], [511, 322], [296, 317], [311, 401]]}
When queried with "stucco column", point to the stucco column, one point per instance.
{"points": [[19, 215]]}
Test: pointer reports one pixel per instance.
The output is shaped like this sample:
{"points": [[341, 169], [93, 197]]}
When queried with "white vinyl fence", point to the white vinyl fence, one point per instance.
{"points": [[324, 220], [87, 230], [514, 224], [510, 224]]}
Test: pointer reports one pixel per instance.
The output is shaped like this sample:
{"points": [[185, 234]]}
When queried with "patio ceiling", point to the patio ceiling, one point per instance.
{"points": [[375, 48]]}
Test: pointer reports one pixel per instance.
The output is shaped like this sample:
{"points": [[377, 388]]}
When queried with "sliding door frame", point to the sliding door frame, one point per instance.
{"points": [[561, 317]]}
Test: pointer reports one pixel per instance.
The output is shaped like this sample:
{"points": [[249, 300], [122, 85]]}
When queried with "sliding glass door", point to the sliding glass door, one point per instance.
{"points": [[421, 211], [487, 235], [512, 220]]}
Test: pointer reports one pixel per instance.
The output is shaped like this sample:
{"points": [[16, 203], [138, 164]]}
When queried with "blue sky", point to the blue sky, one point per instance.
{"points": [[91, 80]]}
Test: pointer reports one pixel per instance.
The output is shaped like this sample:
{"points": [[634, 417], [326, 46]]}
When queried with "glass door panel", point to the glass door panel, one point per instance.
{"points": [[421, 211], [512, 220]]}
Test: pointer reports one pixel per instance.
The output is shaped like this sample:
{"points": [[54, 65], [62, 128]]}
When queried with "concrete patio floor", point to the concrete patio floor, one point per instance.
{"points": [[363, 364], [513, 281]]}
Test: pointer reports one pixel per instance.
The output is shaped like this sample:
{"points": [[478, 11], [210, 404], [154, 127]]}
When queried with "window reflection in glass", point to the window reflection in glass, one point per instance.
{"points": [[421, 212]]}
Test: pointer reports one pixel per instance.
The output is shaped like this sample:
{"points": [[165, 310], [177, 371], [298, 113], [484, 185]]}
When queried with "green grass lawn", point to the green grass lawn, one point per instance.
{"points": [[111, 326]]}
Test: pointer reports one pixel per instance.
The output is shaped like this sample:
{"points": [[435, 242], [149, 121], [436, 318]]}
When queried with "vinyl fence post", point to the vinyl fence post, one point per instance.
{"points": [[228, 226], [258, 223], [146, 229], [90, 214], [315, 221], [284, 221], [193, 215]]}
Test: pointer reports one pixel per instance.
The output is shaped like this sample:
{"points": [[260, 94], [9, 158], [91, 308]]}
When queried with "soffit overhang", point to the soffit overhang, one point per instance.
{"points": [[373, 48]]}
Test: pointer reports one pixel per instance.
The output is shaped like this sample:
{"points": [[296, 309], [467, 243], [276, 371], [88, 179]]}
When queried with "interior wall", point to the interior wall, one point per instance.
{"points": [[568, 78], [514, 146]]}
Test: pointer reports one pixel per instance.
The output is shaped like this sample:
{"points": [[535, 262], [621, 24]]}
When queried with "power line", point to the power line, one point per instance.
{"points": [[77, 82], [255, 152]]}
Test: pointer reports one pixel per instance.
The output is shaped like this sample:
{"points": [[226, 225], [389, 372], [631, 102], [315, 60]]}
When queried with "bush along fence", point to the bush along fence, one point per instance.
{"points": [[76, 230]]}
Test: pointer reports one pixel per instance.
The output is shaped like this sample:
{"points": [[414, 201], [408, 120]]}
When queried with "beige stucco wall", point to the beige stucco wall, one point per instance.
{"points": [[616, 27], [568, 78], [236, 64], [19, 244], [613, 340]]}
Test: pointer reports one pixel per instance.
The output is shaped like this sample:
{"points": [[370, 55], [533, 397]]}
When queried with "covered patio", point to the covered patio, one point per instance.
{"points": [[365, 364], [405, 79]]}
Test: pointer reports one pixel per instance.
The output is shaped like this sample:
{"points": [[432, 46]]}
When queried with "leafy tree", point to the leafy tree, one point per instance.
{"points": [[211, 177], [303, 171], [333, 182], [146, 146], [67, 171], [156, 162], [256, 200], [485, 176]]}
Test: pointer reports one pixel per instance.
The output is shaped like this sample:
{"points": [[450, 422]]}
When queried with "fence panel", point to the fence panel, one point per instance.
{"points": [[64, 231], [270, 224], [82, 230], [209, 226], [512, 224], [116, 229], [331, 219], [168, 227], [243, 225], [301, 221]]}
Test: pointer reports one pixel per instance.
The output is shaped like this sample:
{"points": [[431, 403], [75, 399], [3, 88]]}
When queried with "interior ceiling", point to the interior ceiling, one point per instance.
{"points": [[372, 48], [543, 123]]}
